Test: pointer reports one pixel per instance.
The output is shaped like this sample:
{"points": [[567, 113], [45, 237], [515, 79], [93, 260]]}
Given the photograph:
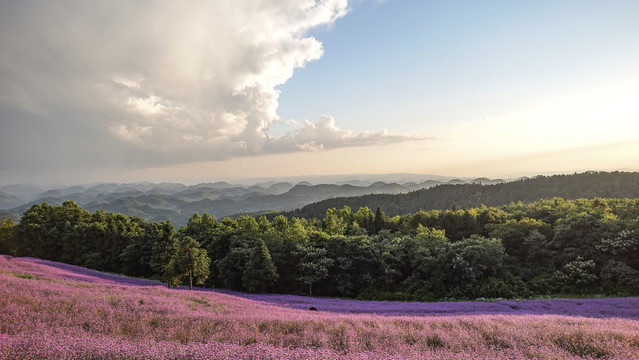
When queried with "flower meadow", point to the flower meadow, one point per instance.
{"points": [[51, 310], [595, 308]]}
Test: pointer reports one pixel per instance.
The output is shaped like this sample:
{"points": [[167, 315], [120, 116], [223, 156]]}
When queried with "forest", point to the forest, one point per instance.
{"points": [[446, 196], [520, 250]]}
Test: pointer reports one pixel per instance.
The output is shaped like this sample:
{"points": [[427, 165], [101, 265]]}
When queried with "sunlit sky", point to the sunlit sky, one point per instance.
{"points": [[199, 91]]}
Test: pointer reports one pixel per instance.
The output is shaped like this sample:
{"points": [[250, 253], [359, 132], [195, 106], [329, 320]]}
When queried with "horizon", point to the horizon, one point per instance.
{"points": [[190, 92], [337, 179]]}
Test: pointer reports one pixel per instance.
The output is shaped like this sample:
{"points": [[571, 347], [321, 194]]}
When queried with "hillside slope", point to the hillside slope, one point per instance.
{"points": [[53, 310]]}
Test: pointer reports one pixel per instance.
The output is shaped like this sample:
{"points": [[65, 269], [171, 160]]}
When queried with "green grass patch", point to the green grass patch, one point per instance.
{"points": [[24, 276]]}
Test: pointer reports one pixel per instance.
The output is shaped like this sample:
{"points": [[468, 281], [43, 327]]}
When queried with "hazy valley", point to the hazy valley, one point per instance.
{"points": [[177, 202]]}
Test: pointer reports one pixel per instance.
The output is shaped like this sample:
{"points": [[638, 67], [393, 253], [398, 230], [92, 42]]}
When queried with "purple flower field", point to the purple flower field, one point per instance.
{"points": [[51, 310], [595, 308]]}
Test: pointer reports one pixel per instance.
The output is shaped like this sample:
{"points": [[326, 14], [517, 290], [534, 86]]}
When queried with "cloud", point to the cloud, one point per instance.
{"points": [[324, 135], [147, 83]]}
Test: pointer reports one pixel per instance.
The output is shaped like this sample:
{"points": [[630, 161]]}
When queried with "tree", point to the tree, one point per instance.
{"points": [[259, 272], [585, 233], [428, 255], [365, 219], [44, 229], [333, 223], [354, 267], [513, 234], [281, 240], [200, 228], [618, 276], [484, 256], [189, 260], [579, 274], [313, 266], [6, 233], [164, 249], [221, 237], [232, 248], [380, 220], [474, 260]]}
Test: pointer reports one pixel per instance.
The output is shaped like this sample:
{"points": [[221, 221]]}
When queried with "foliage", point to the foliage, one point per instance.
{"points": [[164, 248], [586, 246], [189, 261], [448, 196], [259, 272], [6, 235], [313, 266]]}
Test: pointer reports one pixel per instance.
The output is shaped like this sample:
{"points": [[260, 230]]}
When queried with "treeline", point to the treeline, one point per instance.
{"points": [[106, 242], [446, 196], [519, 250]]}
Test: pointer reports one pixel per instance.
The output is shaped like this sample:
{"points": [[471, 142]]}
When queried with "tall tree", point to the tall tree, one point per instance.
{"points": [[6, 233], [164, 248], [281, 240], [259, 272], [190, 260], [313, 266], [380, 220]]}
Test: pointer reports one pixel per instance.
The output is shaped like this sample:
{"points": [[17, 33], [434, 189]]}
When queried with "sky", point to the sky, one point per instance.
{"points": [[189, 91]]}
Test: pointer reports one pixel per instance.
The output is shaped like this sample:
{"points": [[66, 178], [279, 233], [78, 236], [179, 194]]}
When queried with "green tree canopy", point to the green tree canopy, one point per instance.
{"points": [[189, 261]]}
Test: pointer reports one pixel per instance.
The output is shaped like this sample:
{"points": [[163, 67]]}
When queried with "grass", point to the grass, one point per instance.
{"points": [[60, 318]]}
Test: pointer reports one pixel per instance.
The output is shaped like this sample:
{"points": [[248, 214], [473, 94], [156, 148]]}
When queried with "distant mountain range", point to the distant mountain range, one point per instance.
{"points": [[177, 202], [482, 192]]}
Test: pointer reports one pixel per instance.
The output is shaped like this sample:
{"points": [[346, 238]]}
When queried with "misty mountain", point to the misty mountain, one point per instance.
{"points": [[10, 215], [7, 201], [296, 197], [22, 191], [177, 202]]}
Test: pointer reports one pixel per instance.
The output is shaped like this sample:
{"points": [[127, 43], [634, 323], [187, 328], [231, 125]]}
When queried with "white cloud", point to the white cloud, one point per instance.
{"points": [[324, 134], [158, 82]]}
